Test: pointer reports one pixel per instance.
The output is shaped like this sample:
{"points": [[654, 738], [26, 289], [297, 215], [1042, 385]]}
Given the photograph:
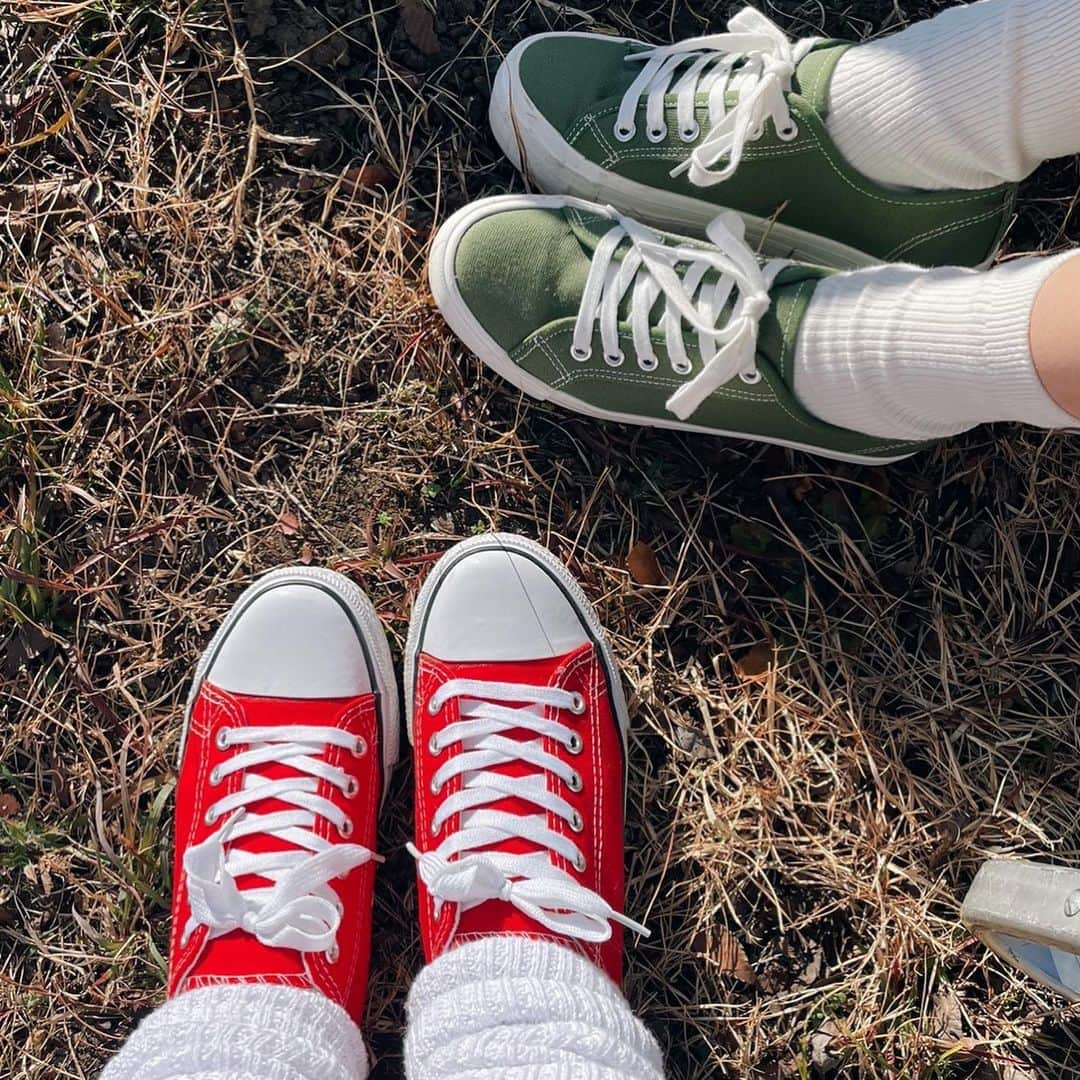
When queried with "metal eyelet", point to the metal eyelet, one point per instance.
{"points": [[648, 362], [432, 707], [756, 133], [333, 953], [751, 378], [580, 355], [690, 134], [359, 748], [435, 786], [215, 776], [221, 740], [577, 705], [658, 134], [346, 827], [576, 822], [211, 816], [434, 746], [340, 907], [434, 829], [579, 863], [352, 788], [574, 743], [789, 133], [624, 134], [681, 368], [575, 783], [614, 359]]}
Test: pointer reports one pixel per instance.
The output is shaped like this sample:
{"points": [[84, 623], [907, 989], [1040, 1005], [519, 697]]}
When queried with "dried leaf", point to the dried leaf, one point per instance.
{"points": [[947, 1016], [9, 805], [361, 177], [731, 959], [288, 523], [755, 662], [643, 565], [306, 554], [418, 22], [822, 1046]]}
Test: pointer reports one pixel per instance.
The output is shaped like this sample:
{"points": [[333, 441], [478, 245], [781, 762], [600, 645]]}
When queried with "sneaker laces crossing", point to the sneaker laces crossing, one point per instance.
{"points": [[462, 870], [754, 60], [300, 910], [649, 269]]}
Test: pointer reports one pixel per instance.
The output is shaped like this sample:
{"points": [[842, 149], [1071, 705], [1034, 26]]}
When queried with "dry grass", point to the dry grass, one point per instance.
{"points": [[854, 686]]}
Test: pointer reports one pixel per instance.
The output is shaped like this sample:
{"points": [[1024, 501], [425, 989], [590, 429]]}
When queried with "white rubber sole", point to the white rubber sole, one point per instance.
{"points": [[466, 326], [369, 630], [544, 157], [540, 555]]}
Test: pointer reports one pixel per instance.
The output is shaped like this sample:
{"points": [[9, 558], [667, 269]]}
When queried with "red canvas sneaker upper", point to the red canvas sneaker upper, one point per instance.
{"points": [[519, 756], [278, 795]]}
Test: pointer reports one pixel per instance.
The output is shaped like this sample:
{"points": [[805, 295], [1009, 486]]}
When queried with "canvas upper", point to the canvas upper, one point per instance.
{"points": [[556, 112]]}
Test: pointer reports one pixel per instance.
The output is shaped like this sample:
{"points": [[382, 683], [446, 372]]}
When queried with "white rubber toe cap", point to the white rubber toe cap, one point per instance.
{"points": [[293, 640], [496, 604]]}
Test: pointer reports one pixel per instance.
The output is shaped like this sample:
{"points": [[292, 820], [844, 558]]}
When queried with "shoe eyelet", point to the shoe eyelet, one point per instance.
{"points": [[789, 133], [577, 705], [433, 707], [215, 776], [333, 953], [434, 746], [680, 368], [352, 788], [434, 829], [579, 863], [221, 740], [346, 828], [624, 134], [359, 748], [690, 134], [576, 822], [614, 359], [580, 355], [657, 134], [648, 363], [751, 378], [575, 783], [756, 133], [435, 787], [574, 743], [211, 816]]}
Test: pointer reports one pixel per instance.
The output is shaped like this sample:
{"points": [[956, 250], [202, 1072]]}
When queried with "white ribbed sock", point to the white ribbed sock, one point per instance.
{"points": [[904, 353], [513, 1008], [243, 1032], [980, 94]]}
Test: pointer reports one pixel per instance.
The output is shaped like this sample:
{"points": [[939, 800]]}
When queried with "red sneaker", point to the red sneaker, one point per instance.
{"points": [[518, 720], [290, 735]]}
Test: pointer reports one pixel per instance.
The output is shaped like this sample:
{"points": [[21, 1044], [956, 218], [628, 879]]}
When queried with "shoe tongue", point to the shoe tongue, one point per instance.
{"points": [[813, 76], [778, 329]]}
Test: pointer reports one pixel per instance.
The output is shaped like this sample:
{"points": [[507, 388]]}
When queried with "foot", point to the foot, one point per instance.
{"points": [[290, 734], [579, 305], [518, 721], [672, 134]]}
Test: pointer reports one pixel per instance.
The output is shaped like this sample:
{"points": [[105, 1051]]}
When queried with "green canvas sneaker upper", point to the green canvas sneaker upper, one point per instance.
{"points": [[577, 304], [735, 120]]}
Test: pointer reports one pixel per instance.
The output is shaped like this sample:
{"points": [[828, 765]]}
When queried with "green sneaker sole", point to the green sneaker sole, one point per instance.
{"points": [[444, 267]]}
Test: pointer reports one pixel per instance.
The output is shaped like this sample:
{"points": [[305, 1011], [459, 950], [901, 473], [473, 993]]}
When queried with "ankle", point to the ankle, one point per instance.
{"points": [[1055, 332]]}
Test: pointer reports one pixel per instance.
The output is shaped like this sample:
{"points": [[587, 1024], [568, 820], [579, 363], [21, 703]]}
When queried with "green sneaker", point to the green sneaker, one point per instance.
{"points": [[674, 134], [578, 305]]}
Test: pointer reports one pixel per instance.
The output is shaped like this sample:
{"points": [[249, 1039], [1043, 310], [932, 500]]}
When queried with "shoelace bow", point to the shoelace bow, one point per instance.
{"points": [[301, 910], [461, 870], [754, 60], [649, 268]]}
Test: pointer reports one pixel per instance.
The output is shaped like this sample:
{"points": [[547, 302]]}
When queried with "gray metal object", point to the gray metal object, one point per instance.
{"points": [[1029, 914]]}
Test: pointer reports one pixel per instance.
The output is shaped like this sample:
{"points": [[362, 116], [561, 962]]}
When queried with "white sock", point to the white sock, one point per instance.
{"points": [[904, 353], [980, 94], [243, 1032], [514, 1008]]}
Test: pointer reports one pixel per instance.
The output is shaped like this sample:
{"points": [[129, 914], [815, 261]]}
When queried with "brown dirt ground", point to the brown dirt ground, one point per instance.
{"points": [[854, 685]]}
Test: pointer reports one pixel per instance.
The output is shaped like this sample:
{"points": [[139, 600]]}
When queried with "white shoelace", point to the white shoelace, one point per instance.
{"points": [[755, 60], [650, 268], [458, 871], [301, 910]]}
